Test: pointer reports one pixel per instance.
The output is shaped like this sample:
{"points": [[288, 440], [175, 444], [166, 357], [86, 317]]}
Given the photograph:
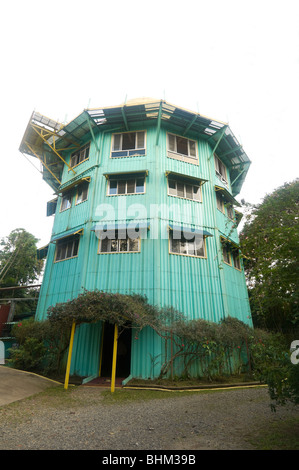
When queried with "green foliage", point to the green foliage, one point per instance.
{"points": [[41, 346], [272, 365], [29, 355], [269, 240], [93, 306], [19, 264], [217, 347], [225, 348]]}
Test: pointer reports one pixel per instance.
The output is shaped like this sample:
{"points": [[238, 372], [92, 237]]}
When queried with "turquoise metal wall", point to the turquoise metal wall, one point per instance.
{"points": [[195, 286]]}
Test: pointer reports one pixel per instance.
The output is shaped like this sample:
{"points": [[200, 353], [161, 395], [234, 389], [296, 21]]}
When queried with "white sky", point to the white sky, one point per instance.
{"points": [[233, 60]]}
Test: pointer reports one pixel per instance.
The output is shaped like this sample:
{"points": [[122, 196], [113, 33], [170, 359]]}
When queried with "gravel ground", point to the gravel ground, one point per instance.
{"points": [[83, 421]]}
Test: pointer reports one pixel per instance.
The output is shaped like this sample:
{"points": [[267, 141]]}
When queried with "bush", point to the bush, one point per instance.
{"points": [[29, 355], [41, 346], [273, 366]]}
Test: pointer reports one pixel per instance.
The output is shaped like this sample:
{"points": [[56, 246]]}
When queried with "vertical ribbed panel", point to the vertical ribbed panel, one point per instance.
{"points": [[194, 286], [86, 355]]}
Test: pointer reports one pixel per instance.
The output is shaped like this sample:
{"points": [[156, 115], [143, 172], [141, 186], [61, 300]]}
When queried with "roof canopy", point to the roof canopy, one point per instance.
{"points": [[47, 139]]}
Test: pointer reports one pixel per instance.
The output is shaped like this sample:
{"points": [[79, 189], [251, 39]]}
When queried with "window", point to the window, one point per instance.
{"points": [[230, 211], [193, 247], [231, 254], [128, 144], [126, 186], [66, 201], [180, 147], [80, 155], [82, 193], [67, 248], [236, 259], [226, 253], [220, 169], [51, 207], [219, 201], [119, 244], [223, 202], [182, 189]]}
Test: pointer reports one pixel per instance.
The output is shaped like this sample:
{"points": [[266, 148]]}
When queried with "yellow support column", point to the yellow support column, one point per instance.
{"points": [[114, 358], [69, 359]]}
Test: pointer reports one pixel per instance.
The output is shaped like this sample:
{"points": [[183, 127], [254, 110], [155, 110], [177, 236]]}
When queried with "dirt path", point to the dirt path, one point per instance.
{"points": [[83, 421]]}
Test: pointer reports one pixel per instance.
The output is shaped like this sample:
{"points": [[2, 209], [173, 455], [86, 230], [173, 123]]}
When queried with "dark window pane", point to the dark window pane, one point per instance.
{"points": [[128, 141], [140, 140], [189, 192], [121, 187], [113, 187], [133, 244], [116, 142], [104, 245], [69, 250], [130, 186], [192, 148], [196, 193], [182, 145], [172, 187], [140, 185], [174, 245], [75, 247], [123, 245], [180, 189]]}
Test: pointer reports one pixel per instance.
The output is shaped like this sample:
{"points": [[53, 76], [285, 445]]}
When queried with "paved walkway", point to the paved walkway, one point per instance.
{"points": [[17, 384]]}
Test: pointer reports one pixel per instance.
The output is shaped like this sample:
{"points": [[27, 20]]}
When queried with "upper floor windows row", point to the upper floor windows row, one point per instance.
{"points": [[180, 243], [132, 144]]}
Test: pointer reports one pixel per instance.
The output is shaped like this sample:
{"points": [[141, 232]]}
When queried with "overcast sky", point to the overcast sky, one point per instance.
{"points": [[233, 60]]}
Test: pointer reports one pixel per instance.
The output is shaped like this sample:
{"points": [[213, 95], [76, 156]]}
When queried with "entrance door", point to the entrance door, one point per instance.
{"points": [[123, 362]]}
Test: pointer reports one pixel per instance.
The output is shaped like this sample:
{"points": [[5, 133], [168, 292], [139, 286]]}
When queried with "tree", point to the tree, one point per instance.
{"points": [[269, 243], [18, 259]]}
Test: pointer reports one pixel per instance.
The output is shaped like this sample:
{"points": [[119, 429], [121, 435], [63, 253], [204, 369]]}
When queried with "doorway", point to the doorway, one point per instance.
{"points": [[123, 361]]}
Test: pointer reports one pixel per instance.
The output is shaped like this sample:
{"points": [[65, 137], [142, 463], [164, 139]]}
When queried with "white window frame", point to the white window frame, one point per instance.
{"points": [[220, 202], [220, 169], [136, 151], [188, 247], [66, 200], [79, 156], [184, 183], [125, 180], [174, 150], [71, 246], [117, 242], [82, 188]]}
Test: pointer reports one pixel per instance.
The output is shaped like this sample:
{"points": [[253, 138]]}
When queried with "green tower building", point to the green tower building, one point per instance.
{"points": [[144, 203]]}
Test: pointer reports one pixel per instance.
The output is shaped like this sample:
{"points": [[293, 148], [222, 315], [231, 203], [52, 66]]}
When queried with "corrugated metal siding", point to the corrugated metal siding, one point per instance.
{"points": [[195, 286], [86, 356]]}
